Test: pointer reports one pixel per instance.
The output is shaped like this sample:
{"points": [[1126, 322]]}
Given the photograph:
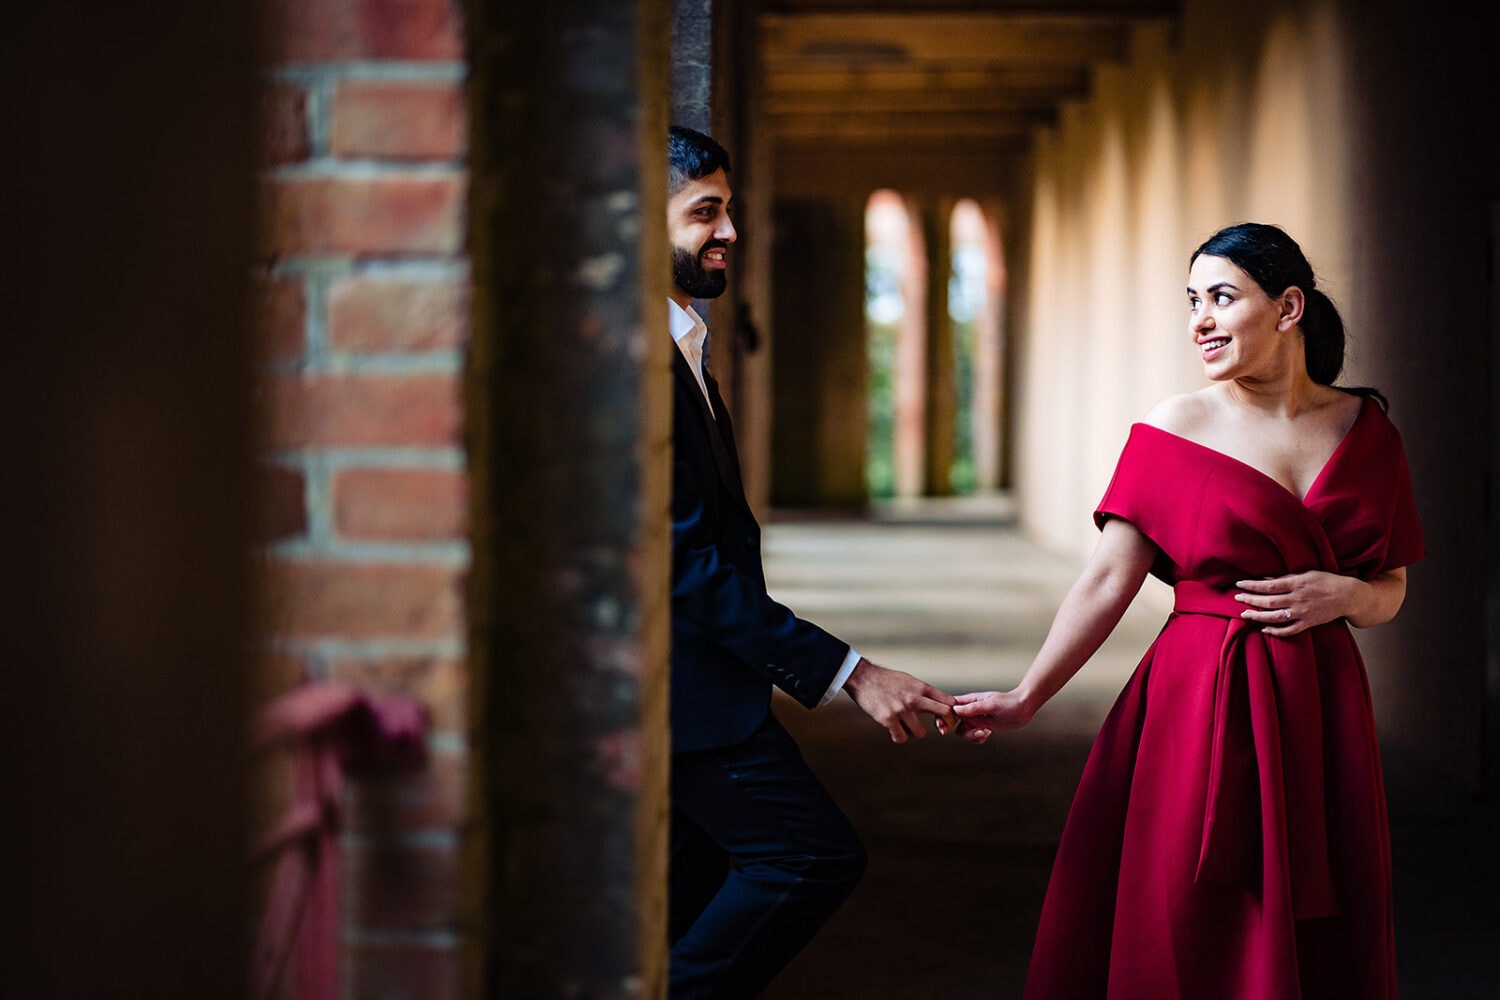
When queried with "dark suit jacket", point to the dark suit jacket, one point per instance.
{"points": [[730, 640]]}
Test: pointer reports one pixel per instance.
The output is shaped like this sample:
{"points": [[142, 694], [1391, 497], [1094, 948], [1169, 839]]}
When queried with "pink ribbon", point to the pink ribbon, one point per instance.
{"points": [[330, 730]]}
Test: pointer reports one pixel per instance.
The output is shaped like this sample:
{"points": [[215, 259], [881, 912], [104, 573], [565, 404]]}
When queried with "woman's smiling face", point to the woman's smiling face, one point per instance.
{"points": [[1240, 330]]}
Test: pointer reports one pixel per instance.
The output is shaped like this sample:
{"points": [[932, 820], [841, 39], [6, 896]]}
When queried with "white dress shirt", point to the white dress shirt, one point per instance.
{"points": [[689, 333]]}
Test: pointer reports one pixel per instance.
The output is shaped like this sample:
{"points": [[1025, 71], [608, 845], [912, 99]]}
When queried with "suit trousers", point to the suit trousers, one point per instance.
{"points": [[761, 858]]}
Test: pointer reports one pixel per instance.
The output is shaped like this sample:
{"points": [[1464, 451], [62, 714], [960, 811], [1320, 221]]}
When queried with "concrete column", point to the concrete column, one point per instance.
{"points": [[941, 395], [819, 419], [568, 404]]}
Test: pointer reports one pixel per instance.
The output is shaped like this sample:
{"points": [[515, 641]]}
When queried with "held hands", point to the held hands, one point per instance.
{"points": [[896, 700], [984, 713]]}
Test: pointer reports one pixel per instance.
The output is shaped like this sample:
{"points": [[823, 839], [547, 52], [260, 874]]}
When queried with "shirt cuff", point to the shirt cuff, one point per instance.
{"points": [[850, 662]]}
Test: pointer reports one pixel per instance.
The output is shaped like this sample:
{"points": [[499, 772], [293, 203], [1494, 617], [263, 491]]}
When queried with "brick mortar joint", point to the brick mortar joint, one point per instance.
{"points": [[323, 166], [436, 458], [330, 550], [322, 653], [374, 70], [320, 360], [334, 268]]}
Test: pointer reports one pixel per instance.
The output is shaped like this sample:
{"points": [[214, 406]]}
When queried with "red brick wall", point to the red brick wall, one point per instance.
{"points": [[363, 320]]}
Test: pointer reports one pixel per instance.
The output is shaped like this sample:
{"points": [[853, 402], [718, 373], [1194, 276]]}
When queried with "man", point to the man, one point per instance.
{"points": [[761, 855]]}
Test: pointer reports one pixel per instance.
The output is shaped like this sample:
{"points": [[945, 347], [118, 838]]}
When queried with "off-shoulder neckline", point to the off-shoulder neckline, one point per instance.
{"points": [[1328, 463]]}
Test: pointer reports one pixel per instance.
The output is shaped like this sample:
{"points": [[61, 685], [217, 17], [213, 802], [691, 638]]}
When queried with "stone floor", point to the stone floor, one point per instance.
{"points": [[961, 838]]}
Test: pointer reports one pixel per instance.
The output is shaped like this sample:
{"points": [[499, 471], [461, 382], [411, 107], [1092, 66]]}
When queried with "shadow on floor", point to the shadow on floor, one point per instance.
{"points": [[960, 841]]}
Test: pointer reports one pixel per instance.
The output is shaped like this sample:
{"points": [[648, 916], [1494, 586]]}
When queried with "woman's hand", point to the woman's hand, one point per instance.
{"points": [[983, 713], [1090, 611], [1287, 605]]}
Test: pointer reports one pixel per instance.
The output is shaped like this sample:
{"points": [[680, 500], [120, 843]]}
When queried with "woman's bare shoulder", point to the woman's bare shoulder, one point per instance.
{"points": [[1183, 413]]}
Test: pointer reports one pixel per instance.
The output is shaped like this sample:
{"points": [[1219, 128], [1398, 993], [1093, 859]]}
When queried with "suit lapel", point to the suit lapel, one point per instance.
{"points": [[720, 443], [725, 426]]}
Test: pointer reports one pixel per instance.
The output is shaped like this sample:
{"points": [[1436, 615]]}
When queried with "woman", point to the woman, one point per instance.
{"points": [[1228, 838]]}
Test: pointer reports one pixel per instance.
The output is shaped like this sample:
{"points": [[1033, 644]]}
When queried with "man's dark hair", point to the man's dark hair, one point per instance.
{"points": [[691, 156]]}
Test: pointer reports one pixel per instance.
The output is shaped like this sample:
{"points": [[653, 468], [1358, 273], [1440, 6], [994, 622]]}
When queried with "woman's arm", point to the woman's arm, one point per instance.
{"points": [[1088, 614]]}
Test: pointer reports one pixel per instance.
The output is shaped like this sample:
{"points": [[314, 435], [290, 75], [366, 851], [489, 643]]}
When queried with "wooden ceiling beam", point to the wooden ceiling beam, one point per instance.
{"points": [[1135, 9], [931, 76], [932, 100], [926, 93], [834, 169], [803, 42], [901, 127], [835, 147]]}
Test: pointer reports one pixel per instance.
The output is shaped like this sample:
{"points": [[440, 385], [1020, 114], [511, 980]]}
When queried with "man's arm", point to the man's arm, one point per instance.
{"points": [[896, 699], [730, 606], [733, 609]]}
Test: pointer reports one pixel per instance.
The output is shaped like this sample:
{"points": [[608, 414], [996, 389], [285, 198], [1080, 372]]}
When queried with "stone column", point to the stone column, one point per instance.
{"points": [[819, 416], [941, 397], [692, 64], [568, 404]]}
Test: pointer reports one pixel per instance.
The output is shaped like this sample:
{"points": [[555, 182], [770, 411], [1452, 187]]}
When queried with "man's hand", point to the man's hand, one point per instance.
{"points": [[896, 700]]}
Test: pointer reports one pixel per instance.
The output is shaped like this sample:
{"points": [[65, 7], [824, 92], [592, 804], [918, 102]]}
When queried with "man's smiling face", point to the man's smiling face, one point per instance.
{"points": [[700, 230]]}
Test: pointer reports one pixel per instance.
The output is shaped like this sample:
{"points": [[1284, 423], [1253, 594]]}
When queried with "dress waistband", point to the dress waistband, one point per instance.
{"points": [[1191, 597]]}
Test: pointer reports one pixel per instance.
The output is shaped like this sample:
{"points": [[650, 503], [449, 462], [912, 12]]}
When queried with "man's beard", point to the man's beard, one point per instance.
{"points": [[688, 273]]}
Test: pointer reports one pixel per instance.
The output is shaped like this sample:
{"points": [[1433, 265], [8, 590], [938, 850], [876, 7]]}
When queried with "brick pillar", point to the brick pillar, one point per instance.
{"points": [[569, 404], [364, 295], [941, 395], [126, 400]]}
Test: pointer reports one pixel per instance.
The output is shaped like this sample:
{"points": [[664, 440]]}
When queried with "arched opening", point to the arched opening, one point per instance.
{"points": [[886, 239], [968, 300], [912, 402]]}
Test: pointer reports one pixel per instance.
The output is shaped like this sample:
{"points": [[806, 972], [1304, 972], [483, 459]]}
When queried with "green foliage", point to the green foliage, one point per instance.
{"points": [[883, 310]]}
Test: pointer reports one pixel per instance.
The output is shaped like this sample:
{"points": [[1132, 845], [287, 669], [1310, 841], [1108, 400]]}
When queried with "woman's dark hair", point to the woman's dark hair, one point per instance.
{"points": [[1276, 262], [691, 156]]}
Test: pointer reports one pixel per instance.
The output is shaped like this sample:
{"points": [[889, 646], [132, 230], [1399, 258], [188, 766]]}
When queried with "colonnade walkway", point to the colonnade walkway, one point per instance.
{"points": [[961, 838]]}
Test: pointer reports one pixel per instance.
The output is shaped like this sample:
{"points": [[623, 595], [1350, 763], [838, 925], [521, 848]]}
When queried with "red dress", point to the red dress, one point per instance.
{"points": [[1228, 839]]}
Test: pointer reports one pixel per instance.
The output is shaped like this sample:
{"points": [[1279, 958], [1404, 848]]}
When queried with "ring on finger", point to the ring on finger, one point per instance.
{"points": [[1286, 614]]}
